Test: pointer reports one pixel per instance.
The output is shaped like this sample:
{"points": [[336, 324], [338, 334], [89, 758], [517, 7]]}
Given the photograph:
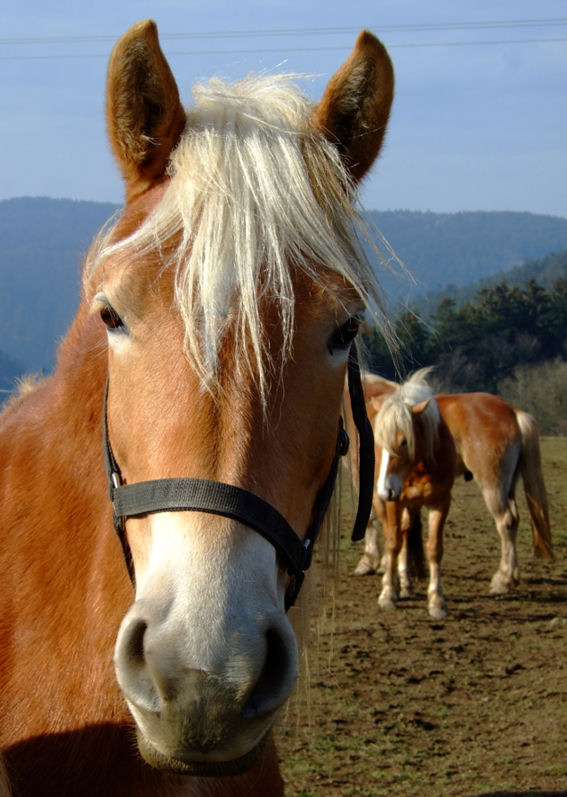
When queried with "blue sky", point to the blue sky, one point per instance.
{"points": [[479, 119]]}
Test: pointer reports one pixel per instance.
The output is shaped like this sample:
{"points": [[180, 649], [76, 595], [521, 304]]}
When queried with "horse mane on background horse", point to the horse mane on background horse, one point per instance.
{"points": [[496, 444], [212, 340]]}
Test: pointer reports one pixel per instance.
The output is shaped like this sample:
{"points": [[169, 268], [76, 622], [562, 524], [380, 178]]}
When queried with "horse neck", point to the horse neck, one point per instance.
{"points": [[61, 568], [53, 429], [65, 410]]}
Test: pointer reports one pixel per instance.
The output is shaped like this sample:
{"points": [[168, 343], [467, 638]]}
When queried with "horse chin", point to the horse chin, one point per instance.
{"points": [[203, 766]]}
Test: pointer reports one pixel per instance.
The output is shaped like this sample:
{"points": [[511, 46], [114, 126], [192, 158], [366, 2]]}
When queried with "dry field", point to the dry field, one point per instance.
{"points": [[473, 705]]}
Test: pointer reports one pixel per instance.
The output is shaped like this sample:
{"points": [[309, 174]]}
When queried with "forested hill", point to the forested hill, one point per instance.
{"points": [[457, 249], [545, 270], [9, 371], [42, 245], [43, 242], [510, 338]]}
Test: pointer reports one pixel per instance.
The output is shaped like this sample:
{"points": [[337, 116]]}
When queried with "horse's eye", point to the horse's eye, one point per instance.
{"points": [[111, 319], [403, 443], [344, 335]]}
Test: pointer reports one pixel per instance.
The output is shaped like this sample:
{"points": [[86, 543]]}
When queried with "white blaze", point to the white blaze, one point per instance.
{"points": [[382, 486]]}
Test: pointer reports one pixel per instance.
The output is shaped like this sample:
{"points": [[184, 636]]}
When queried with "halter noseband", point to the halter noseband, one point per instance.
{"points": [[227, 500]]}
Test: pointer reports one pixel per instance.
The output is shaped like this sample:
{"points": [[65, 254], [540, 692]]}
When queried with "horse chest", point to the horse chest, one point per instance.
{"points": [[419, 486]]}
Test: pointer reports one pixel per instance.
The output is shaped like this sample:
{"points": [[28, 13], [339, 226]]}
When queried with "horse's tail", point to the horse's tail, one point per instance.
{"points": [[534, 486], [416, 559]]}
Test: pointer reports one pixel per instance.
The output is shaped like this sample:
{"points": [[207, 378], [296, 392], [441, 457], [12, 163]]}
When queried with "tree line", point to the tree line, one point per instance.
{"points": [[496, 343]]}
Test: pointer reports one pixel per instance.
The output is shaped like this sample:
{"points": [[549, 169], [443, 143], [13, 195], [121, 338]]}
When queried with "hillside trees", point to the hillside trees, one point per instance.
{"points": [[489, 344]]}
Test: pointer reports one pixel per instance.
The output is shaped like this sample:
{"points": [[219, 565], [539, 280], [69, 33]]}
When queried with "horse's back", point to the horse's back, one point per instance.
{"points": [[375, 386], [485, 430]]}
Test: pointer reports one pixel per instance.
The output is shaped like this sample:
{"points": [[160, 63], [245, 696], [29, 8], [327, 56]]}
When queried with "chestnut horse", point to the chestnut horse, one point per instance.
{"points": [[415, 463], [496, 444], [217, 318]]}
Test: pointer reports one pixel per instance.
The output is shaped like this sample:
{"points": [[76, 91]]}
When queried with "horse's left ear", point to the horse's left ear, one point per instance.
{"points": [[373, 406], [417, 409], [354, 111], [144, 115]]}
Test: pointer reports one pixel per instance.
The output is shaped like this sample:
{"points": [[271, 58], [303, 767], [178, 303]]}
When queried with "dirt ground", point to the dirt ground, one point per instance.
{"points": [[474, 705]]}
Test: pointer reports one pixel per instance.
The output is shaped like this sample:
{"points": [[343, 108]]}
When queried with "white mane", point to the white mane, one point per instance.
{"points": [[395, 415], [254, 193]]}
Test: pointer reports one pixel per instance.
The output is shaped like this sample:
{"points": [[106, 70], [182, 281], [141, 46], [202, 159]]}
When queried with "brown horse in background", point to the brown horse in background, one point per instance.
{"points": [[415, 463], [496, 444], [211, 343]]}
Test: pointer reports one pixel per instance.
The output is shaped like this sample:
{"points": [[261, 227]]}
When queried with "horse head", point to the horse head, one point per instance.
{"points": [[405, 428], [231, 290]]}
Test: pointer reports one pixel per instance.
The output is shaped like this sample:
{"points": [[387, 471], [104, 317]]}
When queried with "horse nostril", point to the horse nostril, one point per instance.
{"points": [[134, 646], [276, 679], [133, 673], [161, 676]]}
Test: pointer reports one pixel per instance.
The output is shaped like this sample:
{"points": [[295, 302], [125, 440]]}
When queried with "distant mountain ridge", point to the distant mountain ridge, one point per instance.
{"points": [[43, 243], [457, 249], [544, 270]]}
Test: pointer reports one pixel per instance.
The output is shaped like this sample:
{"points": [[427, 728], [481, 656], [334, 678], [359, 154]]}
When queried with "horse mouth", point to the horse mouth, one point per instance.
{"points": [[200, 768]]}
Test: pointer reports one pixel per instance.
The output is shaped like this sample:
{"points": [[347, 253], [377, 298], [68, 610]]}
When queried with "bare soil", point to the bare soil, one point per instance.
{"points": [[474, 705]]}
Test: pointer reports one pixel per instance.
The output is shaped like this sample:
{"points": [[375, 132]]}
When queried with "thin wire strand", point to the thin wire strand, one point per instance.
{"points": [[263, 32], [270, 50]]}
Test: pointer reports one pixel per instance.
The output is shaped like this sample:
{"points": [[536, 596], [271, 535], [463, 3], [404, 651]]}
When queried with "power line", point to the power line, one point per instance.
{"points": [[274, 32], [269, 50], [551, 22]]}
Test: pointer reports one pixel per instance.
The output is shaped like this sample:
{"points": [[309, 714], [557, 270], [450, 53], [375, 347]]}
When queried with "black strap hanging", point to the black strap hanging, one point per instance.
{"points": [[366, 447]]}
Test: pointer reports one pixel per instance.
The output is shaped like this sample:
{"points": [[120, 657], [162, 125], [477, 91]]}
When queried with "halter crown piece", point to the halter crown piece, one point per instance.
{"points": [[227, 500]]}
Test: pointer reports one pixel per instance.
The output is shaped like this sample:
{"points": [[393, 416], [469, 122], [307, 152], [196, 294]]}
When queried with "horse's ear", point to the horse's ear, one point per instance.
{"points": [[354, 111], [143, 112], [373, 406], [418, 409]]}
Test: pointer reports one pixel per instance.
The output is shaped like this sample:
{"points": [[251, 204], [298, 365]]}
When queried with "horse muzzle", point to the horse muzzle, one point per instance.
{"points": [[390, 489], [206, 768], [204, 698]]}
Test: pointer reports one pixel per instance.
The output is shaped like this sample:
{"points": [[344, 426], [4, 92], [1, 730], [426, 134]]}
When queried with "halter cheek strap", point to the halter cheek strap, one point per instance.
{"points": [[366, 456], [227, 500]]}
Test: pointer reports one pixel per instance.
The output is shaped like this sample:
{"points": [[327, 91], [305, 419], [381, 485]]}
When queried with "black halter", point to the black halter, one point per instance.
{"points": [[218, 498]]}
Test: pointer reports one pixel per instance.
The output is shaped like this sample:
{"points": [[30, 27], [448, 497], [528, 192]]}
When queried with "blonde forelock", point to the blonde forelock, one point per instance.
{"points": [[254, 193]]}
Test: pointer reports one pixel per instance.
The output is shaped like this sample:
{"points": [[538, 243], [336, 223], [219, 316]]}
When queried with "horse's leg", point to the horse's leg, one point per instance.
{"points": [[393, 543], [370, 559], [505, 513], [435, 600], [403, 567]]}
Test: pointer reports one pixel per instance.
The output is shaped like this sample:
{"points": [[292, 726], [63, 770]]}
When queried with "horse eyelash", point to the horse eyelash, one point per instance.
{"points": [[111, 320], [344, 335]]}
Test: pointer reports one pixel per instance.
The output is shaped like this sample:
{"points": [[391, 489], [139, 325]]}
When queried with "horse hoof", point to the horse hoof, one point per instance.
{"points": [[501, 585], [438, 611], [386, 602], [364, 568]]}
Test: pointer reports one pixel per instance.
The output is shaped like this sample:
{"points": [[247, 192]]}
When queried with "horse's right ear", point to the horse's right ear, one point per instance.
{"points": [[420, 408], [144, 115], [353, 113]]}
